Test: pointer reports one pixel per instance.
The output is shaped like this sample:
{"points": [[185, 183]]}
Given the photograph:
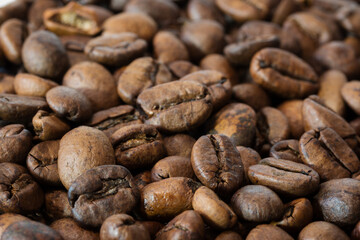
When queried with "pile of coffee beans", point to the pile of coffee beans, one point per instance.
{"points": [[179, 119]]}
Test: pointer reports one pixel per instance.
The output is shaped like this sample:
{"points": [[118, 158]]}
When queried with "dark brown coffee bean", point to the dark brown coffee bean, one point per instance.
{"points": [[257, 203], [57, 204], [152, 227], [69, 229], [123, 226], [13, 33], [115, 49], [74, 46], [173, 166], [182, 68], [142, 179], [179, 145], [328, 154], [19, 193], [14, 226], [20, 109], [349, 17], [292, 109], [298, 213], [44, 55], [139, 23], [112, 119], [228, 235], [268, 232], [283, 73], [42, 163], [15, 142], [101, 192], [137, 146], [355, 234], [322, 231], [187, 225], [168, 48], [217, 164], [336, 195], [255, 29], [47, 126], [285, 177], [286, 150], [95, 82], [80, 150], [235, 120], [284, 9], [215, 212], [218, 85], [167, 198], [175, 111], [32, 85], [349, 92], [202, 9], [251, 94], [73, 19], [6, 83], [249, 157], [202, 37], [139, 75]]}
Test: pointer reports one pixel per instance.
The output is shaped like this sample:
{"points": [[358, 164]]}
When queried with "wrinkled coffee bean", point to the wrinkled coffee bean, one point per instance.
{"points": [[47, 126], [322, 230], [286, 150]]}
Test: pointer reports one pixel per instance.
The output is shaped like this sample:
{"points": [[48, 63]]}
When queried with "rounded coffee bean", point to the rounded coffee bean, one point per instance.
{"points": [[215, 212], [249, 157], [32, 85], [47, 126], [42, 163], [182, 68], [217, 164], [257, 203], [286, 150], [283, 73], [70, 230], [69, 103], [142, 179], [285, 177], [264, 231], [168, 48], [251, 94], [187, 225], [172, 110], [179, 145], [137, 146], [12, 9], [328, 154], [57, 204], [19, 193], [228, 235], [355, 234], [44, 55], [349, 16], [123, 226], [350, 94], [167, 198], [292, 109], [322, 231], [173, 166], [219, 63], [15, 142], [101, 192], [338, 201], [81, 149], [6, 83], [202, 9]]}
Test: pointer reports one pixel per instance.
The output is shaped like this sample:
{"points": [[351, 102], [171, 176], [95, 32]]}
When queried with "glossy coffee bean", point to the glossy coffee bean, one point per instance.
{"points": [[227, 235], [142, 179]]}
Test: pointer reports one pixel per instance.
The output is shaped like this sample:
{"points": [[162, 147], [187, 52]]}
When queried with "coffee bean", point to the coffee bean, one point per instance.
{"points": [[69, 229], [263, 231], [322, 230], [173, 166], [57, 204], [292, 109], [32, 85], [350, 95], [47, 126], [168, 48], [179, 145], [251, 94], [286, 150]]}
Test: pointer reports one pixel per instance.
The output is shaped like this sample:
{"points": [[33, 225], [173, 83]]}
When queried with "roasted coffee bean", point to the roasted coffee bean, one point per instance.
{"points": [[15, 142], [182, 68], [283, 73], [19, 193], [69, 103], [257, 203], [292, 109], [179, 145], [187, 225], [255, 29], [6, 83], [298, 213], [167, 198], [235, 120], [13, 33], [217, 164], [20, 109], [328, 154], [152, 227], [95, 82], [74, 46], [101, 192], [267, 232], [36, 11], [80, 150], [44, 55], [32, 85], [284, 9], [214, 211], [349, 17], [137, 146], [249, 157], [251, 94], [286, 150], [47, 126], [176, 106], [42, 163], [336, 195], [168, 48], [355, 234], [141, 74], [219, 63], [112, 119], [57, 204], [12, 9], [356, 125], [349, 92], [285, 177], [142, 179], [14, 226], [228, 235], [115, 49], [202, 9], [123, 226], [322, 230], [140, 24], [72, 19], [69, 229], [173, 166]]}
